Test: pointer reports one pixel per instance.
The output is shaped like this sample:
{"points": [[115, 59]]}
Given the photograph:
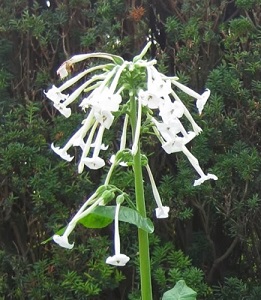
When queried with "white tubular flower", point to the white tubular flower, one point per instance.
{"points": [[168, 130], [95, 162], [104, 105], [63, 69], [160, 85], [195, 127], [117, 77], [171, 110], [55, 95], [149, 99], [75, 140], [63, 239], [105, 118], [76, 78], [62, 153], [137, 130], [123, 141], [196, 166], [186, 89], [118, 259], [204, 178], [161, 211], [80, 89], [87, 147], [202, 100], [66, 111], [83, 212], [124, 133]]}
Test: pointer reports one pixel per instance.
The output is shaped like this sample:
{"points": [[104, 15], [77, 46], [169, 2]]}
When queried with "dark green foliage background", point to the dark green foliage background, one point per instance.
{"points": [[212, 239]]}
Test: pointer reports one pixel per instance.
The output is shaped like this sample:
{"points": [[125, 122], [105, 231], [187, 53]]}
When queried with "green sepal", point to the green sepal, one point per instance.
{"points": [[180, 292], [107, 196], [117, 59], [127, 157]]}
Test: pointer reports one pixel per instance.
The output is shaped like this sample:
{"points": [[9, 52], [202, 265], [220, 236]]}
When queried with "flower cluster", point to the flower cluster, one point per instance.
{"points": [[101, 96]]}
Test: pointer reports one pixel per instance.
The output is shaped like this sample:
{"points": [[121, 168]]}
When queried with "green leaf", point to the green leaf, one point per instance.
{"points": [[105, 213], [94, 220], [179, 292]]}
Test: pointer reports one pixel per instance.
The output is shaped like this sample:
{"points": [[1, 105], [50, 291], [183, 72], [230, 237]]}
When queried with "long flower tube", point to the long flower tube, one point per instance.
{"points": [[95, 162], [118, 259], [195, 126], [64, 69], [63, 239], [75, 140], [193, 160], [81, 88], [87, 147], [79, 76], [161, 211]]}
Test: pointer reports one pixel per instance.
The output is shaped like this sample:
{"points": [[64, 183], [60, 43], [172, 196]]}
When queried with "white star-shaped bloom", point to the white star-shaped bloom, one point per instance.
{"points": [[55, 95], [204, 178], [200, 103], [63, 241], [93, 163], [162, 212], [66, 111], [171, 110], [118, 260], [149, 99], [62, 153], [63, 70]]}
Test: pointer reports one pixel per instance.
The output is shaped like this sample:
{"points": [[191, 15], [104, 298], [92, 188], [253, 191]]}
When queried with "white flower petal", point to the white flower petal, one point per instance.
{"points": [[93, 163], [162, 212], [149, 99], [117, 260], [174, 145], [63, 241], [202, 100], [102, 147], [55, 95], [204, 178], [105, 118], [62, 70], [62, 153], [66, 111]]}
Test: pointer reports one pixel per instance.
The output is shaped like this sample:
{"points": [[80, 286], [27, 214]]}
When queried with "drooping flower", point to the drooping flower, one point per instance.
{"points": [[118, 259], [95, 162], [161, 211], [62, 241], [202, 100]]}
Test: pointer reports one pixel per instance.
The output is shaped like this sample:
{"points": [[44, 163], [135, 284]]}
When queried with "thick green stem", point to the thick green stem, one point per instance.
{"points": [[145, 273]]}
